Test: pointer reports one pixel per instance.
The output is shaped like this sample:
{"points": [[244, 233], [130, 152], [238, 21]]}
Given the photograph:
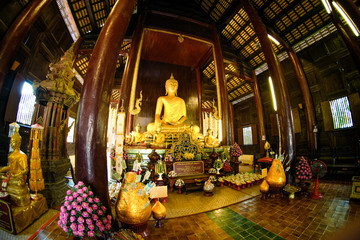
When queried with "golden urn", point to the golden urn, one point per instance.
{"points": [[158, 210], [276, 177], [133, 205], [264, 186]]}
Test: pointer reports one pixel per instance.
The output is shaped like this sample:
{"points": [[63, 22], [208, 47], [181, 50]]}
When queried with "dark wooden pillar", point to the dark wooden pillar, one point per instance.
{"points": [[129, 71], [260, 113], [281, 92], [16, 33], [198, 85], [232, 126], [348, 37], [306, 94], [95, 98], [227, 132]]}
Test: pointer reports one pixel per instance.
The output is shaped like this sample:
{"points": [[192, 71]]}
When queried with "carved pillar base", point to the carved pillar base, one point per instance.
{"points": [[55, 183]]}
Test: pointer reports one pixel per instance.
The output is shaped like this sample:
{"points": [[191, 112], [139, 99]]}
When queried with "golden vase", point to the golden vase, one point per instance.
{"points": [[133, 205], [276, 177]]}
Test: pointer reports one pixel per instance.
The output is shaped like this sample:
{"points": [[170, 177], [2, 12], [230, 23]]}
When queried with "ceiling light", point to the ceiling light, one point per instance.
{"points": [[327, 6], [273, 39], [347, 18]]}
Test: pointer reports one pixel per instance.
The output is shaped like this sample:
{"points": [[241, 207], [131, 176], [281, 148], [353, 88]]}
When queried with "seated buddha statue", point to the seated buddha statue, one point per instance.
{"points": [[18, 169], [137, 136], [210, 140], [174, 109], [159, 138]]}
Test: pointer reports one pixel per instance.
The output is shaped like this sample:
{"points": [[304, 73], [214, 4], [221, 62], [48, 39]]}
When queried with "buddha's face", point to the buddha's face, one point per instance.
{"points": [[171, 86], [15, 141]]}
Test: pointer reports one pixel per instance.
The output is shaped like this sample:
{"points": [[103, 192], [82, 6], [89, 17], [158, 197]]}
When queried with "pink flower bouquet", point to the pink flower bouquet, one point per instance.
{"points": [[303, 171], [82, 214], [236, 151]]}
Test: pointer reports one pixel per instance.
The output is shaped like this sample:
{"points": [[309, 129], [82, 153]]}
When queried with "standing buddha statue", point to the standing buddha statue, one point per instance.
{"points": [[18, 169]]}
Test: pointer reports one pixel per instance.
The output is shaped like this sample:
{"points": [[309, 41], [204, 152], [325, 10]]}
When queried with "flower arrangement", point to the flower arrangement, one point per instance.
{"points": [[112, 156], [179, 183], [236, 150], [218, 163], [82, 214], [212, 179], [303, 171], [188, 156], [212, 170], [168, 158], [125, 155], [226, 167], [172, 174]]}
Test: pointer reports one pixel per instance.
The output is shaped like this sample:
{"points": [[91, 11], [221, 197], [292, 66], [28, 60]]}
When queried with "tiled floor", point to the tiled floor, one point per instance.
{"points": [[301, 218]]}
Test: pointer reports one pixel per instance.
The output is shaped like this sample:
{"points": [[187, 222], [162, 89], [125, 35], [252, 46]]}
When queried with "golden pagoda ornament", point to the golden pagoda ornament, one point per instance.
{"points": [[36, 181]]}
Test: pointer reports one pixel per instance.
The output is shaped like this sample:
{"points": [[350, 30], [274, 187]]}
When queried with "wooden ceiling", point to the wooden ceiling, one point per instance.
{"points": [[292, 20]]}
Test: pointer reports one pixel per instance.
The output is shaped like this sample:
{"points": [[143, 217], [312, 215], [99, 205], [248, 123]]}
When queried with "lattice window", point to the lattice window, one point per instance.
{"points": [[340, 110], [26, 105]]}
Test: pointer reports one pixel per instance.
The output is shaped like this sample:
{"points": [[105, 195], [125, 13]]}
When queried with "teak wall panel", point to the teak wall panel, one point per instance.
{"points": [[151, 80]]}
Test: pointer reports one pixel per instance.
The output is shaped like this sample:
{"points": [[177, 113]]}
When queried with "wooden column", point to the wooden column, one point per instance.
{"points": [[95, 99], [10, 44], [227, 132], [198, 85], [260, 113], [348, 37], [306, 94], [231, 116], [129, 71], [281, 92]]}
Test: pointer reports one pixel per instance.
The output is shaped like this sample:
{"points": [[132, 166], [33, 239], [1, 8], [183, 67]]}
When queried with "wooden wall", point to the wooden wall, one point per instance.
{"points": [[46, 42], [331, 73], [151, 80]]}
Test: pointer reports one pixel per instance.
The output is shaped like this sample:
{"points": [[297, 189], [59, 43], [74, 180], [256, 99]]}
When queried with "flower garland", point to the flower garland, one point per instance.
{"points": [[236, 150], [179, 183], [303, 170], [82, 214]]}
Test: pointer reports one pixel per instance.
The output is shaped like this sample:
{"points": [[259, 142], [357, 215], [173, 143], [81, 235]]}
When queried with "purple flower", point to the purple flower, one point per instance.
{"points": [[91, 226], [94, 206], [62, 209], [89, 210], [91, 233], [74, 204], [66, 198], [108, 226], [79, 199], [103, 208], [90, 200], [78, 208], [101, 228], [80, 183], [84, 195], [72, 219], [73, 226], [65, 229], [79, 191], [109, 217], [73, 212], [71, 198], [75, 194], [60, 223], [85, 214], [66, 203], [88, 221], [100, 212], [95, 217], [85, 205], [80, 220], [81, 228], [68, 207], [68, 192], [84, 189], [97, 200], [99, 223], [76, 233], [80, 234], [91, 193], [105, 221]]}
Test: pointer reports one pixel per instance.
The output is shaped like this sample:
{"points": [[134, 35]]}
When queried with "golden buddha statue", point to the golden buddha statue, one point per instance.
{"points": [[210, 140], [174, 110], [137, 136], [159, 138], [18, 168]]}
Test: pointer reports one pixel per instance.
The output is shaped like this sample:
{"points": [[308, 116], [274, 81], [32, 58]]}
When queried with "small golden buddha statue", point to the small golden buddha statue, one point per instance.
{"points": [[137, 136], [18, 168], [159, 137], [174, 110], [210, 140]]}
